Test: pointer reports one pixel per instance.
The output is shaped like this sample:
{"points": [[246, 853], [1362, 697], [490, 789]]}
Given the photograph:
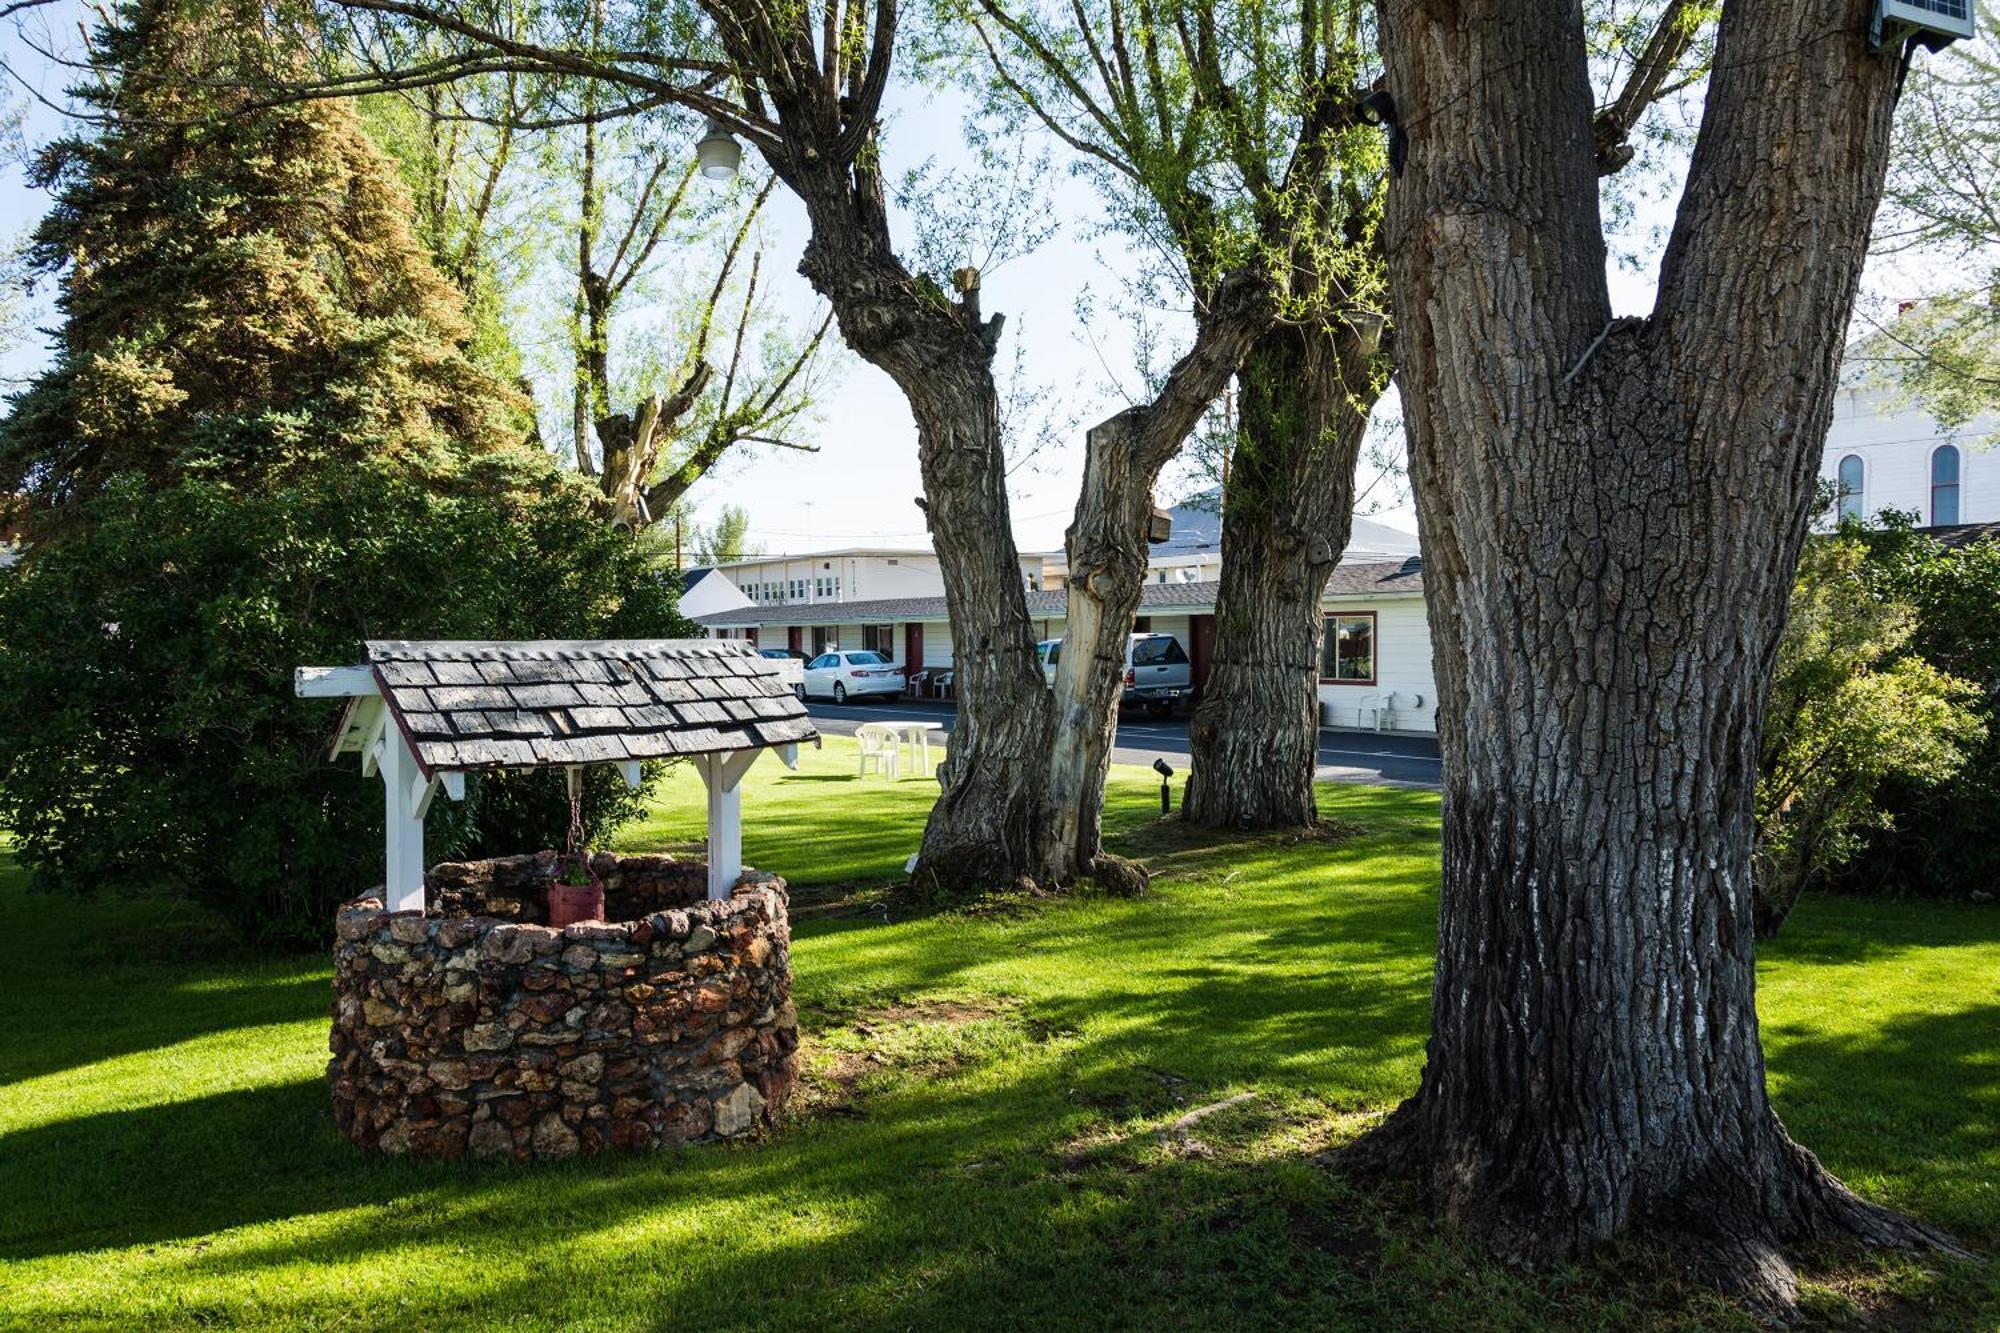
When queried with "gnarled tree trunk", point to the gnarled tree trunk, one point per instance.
{"points": [[1612, 514], [1306, 394], [988, 825], [1106, 548]]}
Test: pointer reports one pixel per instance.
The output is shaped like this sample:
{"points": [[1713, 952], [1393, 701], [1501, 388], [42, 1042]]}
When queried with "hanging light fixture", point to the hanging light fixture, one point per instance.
{"points": [[718, 152]]}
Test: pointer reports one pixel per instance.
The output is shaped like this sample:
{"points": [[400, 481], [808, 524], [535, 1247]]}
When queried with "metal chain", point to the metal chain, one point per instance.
{"points": [[574, 847]]}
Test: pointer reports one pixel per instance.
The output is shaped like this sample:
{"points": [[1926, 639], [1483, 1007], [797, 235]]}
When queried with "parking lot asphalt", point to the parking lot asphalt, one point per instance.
{"points": [[1407, 759]]}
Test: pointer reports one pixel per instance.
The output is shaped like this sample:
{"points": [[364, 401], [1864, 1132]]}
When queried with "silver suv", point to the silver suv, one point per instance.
{"points": [[1158, 675]]}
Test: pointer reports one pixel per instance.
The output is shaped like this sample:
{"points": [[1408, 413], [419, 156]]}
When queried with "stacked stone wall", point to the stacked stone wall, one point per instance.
{"points": [[473, 1029]]}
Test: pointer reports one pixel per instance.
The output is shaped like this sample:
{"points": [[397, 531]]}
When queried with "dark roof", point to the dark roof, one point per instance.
{"points": [[1382, 578], [477, 704], [1956, 535]]}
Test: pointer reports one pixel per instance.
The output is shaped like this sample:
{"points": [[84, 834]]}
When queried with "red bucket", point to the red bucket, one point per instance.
{"points": [[571, 903]]}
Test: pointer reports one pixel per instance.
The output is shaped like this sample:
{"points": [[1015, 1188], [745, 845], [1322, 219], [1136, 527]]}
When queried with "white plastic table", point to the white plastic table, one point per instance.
{"points": [[917, 735]]}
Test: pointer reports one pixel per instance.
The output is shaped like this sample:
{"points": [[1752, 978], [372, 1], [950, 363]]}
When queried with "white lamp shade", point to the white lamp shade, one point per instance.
{"points": [[718, 153]]}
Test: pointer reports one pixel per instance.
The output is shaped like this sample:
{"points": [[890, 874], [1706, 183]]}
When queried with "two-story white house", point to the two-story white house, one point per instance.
{"points": [[1883, 454], [847, 574]]}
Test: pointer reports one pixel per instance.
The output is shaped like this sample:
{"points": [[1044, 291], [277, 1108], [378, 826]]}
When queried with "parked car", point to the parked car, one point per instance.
{"points": [[1158, 674], [852, 675], [791, 667]]}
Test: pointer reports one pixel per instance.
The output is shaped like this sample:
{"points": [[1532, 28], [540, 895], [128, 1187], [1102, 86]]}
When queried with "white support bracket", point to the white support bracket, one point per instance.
{"points": [[788, 755], [422, 793], [371, 739], [630, 769]]}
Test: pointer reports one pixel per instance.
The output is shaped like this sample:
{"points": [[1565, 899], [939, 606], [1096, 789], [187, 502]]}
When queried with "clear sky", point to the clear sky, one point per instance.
{"points": [[861, 485]]}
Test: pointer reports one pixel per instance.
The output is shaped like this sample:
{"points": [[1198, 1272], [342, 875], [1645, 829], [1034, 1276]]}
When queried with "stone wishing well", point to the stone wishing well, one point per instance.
{"points": [[472, 1029], [463, 1021]]}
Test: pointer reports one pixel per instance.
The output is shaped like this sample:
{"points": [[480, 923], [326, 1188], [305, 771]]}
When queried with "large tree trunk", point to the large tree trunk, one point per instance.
{"points": [[1106, 546], [1306, 395], [1612, 515], [988, 825]]}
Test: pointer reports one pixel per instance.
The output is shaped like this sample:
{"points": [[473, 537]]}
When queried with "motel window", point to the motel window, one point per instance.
{"points": [[1850, 486], [1944, 484], [1349, 656], [826, 639], [879, 639]]}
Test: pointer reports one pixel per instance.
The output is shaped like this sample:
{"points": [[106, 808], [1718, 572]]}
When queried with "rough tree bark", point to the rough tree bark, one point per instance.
{"points": [[1303, 411], [990, 820], [1106, 549], [1612, 512]]}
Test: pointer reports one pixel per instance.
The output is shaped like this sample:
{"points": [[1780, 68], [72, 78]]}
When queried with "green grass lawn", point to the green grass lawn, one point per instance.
{"points": [[978, 1142]]}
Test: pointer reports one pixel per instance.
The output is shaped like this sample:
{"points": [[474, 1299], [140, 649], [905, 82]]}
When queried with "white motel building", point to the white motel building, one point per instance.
{"points": [[1377, 655]]}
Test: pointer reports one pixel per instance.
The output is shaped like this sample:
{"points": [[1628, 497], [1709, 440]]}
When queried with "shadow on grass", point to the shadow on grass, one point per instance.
{"points": [[190, 1168], [1909, 1113], [953, 1202], [1013, 1176], [143, 974], [1842, 929]]}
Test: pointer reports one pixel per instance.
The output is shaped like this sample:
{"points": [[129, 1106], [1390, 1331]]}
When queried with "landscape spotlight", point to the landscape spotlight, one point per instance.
{"points": [[1166, 772], [718, 152]]}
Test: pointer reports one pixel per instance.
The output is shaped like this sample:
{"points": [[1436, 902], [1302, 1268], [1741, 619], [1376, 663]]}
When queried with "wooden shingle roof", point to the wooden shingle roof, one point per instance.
{"points": [[467, 705]]}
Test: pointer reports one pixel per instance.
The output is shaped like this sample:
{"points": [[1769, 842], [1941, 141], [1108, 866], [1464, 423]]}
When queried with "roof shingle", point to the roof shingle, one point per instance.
{"points": [[485, 705]]}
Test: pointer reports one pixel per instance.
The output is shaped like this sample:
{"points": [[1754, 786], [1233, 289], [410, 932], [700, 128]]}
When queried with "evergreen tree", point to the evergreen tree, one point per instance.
{"points": [[241, 289], [260, 443]]}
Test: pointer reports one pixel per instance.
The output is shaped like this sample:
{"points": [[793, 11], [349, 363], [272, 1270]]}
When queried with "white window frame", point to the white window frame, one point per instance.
{"points": [[1931, 484], [1840, 488]]}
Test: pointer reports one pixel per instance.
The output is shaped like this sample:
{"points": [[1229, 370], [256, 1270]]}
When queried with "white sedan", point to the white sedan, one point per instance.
{"points": [[842, 676]]}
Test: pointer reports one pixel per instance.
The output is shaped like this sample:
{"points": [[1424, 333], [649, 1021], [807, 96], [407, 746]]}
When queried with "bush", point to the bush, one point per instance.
{"points": [[1938, 839], [146, 662], [1850, 709]]}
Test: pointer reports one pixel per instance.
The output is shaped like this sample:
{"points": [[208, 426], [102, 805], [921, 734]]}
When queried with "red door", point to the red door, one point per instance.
{"points": [[795, 639], [1201, 629], [913, 649]]}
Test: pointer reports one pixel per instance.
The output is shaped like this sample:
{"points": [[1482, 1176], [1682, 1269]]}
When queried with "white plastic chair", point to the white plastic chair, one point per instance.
{"points": [[879, 746], [1372, 708]]}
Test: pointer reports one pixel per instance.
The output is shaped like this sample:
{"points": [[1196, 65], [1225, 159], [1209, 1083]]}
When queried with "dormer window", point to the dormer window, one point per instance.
{"points": [[1850, 486], [1944, 484]]}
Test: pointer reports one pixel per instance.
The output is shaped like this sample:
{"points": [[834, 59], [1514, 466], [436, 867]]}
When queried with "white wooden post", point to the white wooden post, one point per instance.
{"points": [[404, 784], [723, 773]]}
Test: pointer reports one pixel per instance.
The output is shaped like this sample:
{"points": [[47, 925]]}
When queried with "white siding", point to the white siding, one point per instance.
{"points": [[870, 578], [1895, 447], [1402, 665]]}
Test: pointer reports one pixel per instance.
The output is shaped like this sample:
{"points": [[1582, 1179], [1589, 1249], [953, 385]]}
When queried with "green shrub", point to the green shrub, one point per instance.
{"points": [[152, 737], [1850, 709], [1938, 839]]}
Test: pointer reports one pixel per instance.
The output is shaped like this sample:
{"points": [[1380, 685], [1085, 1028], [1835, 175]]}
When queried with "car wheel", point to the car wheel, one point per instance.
{"points": [[839, 693], [800, 690]]}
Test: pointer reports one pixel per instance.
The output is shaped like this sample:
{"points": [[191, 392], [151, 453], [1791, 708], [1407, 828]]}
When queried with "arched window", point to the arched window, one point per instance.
{"points": [[1944, 484], [1850, 486]]}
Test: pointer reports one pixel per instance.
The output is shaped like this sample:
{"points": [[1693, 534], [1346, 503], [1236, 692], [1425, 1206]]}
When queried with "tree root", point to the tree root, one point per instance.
{"points": [[1116, 875], [1733, 1234]]}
